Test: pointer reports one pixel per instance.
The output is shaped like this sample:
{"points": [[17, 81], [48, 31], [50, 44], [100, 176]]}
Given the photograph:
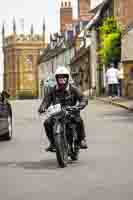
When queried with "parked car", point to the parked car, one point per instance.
{"points": [[5, 116]]}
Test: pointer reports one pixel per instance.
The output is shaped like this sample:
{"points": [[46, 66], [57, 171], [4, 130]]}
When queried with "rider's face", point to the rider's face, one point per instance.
{"points": [[62, 80]]}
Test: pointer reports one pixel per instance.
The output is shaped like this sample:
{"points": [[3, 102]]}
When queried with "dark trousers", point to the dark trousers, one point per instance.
{"points": [[48, 125], [120, 87], [113, 90]]}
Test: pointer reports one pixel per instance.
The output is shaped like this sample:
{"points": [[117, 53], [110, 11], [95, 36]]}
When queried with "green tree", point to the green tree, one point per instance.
{"points": [[110, 45]]}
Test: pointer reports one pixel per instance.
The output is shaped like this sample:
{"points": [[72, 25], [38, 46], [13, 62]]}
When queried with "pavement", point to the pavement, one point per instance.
{"points": [[118, 101]]}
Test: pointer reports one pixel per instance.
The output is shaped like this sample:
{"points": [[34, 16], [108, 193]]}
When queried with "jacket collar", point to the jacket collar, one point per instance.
{"points": [[66, 89]]}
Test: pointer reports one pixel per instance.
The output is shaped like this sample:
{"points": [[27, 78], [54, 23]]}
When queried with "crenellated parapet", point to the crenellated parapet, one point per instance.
{"points": [[24, 39], [15, 38]]}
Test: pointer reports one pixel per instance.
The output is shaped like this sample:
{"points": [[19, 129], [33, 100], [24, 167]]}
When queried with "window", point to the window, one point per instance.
{"points": [[29, 61]]}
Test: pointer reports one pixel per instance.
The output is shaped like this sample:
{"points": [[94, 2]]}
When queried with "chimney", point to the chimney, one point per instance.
{"points": [[66, 15]]}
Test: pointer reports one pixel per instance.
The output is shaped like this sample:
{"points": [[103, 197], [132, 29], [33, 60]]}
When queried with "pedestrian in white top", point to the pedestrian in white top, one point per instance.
{"points": [[112, 81]]}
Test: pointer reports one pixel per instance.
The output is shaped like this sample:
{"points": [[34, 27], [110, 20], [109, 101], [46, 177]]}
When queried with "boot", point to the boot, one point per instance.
{"points": [[83, 144], [51, 148]]}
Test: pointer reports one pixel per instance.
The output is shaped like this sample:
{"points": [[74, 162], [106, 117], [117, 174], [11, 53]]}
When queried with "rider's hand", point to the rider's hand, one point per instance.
{"points": [[75, 108], [40, 110], [72, 108]]}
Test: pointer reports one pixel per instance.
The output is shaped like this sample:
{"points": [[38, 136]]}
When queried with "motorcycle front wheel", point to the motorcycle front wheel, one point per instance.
{"points": [[61, 150]]}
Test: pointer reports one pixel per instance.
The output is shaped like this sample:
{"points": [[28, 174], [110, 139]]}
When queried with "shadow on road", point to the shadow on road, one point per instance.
{"points": [[33, 165]]}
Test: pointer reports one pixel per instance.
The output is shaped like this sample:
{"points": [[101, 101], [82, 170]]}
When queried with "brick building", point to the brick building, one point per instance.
{"points": [[67, 22]]}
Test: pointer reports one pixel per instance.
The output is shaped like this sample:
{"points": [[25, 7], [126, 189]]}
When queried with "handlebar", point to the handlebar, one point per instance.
{"points": [[68, 110], [72, 109]]}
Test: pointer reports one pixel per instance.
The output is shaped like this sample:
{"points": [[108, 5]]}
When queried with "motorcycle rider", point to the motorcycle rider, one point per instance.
{"points": [[66, 94]]}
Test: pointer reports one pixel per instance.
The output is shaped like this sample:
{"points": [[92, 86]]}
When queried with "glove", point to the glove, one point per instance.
{"points": [[72, 108], [75, 108], [40, 110]]}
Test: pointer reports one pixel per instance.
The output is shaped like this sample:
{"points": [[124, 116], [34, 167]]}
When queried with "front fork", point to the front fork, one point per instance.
{"points": [[60, 129]]}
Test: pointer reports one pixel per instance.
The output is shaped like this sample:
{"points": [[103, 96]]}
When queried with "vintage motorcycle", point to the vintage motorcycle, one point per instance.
{"points": [[64, 132]]}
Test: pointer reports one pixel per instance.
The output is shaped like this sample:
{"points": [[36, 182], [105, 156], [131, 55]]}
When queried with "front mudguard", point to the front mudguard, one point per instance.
{"points": [[57, 128]]}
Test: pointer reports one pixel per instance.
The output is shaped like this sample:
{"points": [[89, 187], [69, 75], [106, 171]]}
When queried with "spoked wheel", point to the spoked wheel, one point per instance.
{"points": [[61, 151]]}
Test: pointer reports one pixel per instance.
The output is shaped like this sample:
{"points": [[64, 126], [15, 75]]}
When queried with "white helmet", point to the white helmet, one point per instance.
{"points": [[62, 70]]}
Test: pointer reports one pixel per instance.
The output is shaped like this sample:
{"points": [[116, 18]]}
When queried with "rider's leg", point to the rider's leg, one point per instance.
{"points": [[49, 133], [81, 133]]}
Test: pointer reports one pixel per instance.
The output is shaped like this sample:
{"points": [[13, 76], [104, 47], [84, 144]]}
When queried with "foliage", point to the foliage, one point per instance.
{"points": [[110, 35]]}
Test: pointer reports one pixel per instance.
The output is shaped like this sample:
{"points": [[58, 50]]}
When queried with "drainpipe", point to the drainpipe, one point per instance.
{"points": [[78, 8]]}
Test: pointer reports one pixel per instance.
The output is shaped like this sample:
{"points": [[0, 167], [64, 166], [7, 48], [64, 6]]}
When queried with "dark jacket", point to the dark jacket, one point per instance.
{"points": [[70, 97]]}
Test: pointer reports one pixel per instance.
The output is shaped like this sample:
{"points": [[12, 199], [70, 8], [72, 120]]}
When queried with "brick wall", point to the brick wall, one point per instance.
{"points": [[124, 11], [84, 7]]}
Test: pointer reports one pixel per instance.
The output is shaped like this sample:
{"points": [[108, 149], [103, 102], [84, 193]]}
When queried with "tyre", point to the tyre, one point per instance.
{"points": [[8, 135], [74, 156], [75, 152], [61, 151]]}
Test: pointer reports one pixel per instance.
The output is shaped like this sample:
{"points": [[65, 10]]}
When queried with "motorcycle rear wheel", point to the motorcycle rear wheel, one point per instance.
{"points": [[75, 152]]}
